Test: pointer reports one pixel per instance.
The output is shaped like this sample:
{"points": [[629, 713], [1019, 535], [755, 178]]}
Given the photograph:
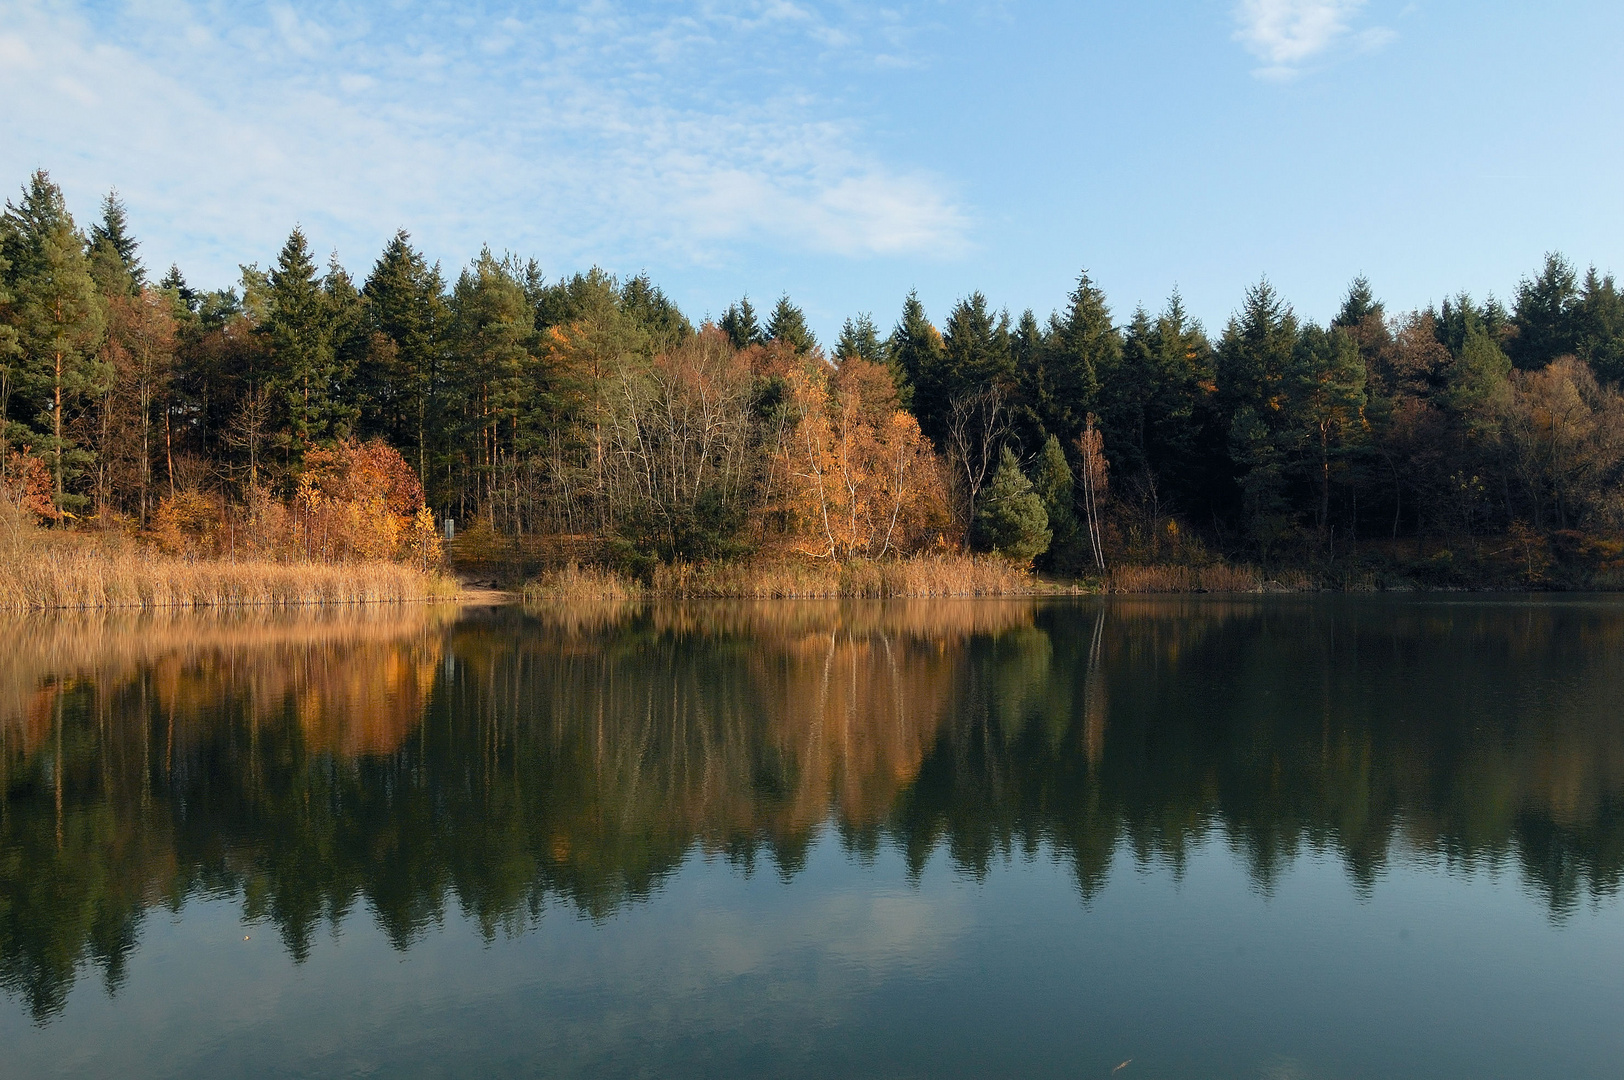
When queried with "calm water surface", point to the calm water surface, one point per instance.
{"points": [[1209, 838]]}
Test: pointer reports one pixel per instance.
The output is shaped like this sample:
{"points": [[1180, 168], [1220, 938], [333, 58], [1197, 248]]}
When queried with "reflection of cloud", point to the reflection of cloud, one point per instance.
{"points": [[591, 132], [1285, 34]]}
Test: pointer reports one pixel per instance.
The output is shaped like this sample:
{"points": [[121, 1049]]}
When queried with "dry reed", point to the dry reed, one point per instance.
{"points": [[86, 577], [788, 578]]}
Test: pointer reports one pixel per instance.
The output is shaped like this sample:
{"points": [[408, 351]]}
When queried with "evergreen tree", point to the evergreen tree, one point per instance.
{"points": [[174, 282], [975, 356], [298, 340], [59, 321], [398, 388], [114, 262], [1010, 519], [1255, 362], [1600, 326], [1328, 404], [914, 350], [647, 306], [492, 325], [858, 337], [1545, 315], [740, 325], [1054, 485], [788, 325], [1082, 341]]}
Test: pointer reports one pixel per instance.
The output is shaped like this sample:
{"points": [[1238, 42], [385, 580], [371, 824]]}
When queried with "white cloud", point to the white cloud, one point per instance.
{"points": [[1285, 34], [586, 132]]}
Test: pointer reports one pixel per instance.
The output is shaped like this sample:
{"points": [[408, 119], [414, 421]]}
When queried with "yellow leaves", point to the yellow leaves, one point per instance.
{"points": [[863, 479]]}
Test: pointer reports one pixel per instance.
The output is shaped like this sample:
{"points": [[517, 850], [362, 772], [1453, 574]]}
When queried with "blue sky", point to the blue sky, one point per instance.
{"points": [[847, 152]]}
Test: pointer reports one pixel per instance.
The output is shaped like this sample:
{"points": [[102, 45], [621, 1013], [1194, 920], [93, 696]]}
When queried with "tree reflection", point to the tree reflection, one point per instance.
{"points": [[503, 762]]}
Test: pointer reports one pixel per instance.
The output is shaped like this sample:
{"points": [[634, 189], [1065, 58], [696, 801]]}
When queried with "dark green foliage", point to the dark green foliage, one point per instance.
{"points": [[57, 314], [1599, 326], [302, 375], [788, 325], [113, 249], [1080, 344], [399, 360], [1545, 315], [740, 325], [914, 350], [1053, 484], [1010, 519], [646, 305]]}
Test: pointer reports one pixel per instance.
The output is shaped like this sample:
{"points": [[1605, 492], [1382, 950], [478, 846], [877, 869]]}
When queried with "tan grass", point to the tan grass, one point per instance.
{"points": [[1227, 577], [792, 578], [87, 577]]}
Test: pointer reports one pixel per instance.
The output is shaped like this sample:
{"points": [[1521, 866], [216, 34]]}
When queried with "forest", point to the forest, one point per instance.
{"points": [[304, 412]]}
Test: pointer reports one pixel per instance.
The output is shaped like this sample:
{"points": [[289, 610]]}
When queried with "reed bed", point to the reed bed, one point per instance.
{"points": [[799, 579], [1218, 577], [92, 578]]}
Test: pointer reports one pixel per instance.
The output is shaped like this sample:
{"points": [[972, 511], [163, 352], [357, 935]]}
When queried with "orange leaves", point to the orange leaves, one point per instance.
{"points": [[863, 479]]}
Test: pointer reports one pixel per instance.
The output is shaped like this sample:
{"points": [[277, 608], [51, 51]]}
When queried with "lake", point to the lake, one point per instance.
{"points": [[1140, 838]]}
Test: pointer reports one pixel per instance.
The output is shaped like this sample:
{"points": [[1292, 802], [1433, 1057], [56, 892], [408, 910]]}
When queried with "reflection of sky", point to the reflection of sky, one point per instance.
{"points": [[850, 970]]}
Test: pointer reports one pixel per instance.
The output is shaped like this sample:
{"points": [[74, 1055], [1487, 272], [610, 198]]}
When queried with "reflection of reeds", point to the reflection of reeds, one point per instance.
{"points": [[335, 665], [85, 577]]}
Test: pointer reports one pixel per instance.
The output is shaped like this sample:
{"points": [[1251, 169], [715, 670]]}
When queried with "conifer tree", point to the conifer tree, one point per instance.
{"points": [[1544, 315], [1010, 519], [60, 320], [1600, 326], [297, 334], [1082, 341], [788, 325], [646, 305], [1055, 486], [914, 350], [115, 264], [740, 325], [405, 316]]}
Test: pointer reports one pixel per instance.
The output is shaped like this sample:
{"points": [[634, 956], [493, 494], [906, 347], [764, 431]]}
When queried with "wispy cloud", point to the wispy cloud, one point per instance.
{"points": [[1286, 34], [588, 131]]}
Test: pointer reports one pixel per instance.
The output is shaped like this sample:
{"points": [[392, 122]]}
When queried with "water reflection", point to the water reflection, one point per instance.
{"points": [[403, 761]]}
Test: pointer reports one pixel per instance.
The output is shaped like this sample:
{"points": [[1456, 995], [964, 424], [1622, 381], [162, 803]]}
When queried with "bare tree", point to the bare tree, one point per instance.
{"points": [[976, 426]]}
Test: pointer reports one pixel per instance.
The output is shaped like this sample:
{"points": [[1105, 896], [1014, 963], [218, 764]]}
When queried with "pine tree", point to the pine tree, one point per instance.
{"points": [[788, 325], [740, 326], [975, 355], [60, 321], [1255, 362]]}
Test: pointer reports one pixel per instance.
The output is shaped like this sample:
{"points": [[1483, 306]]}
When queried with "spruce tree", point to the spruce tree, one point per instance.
{"points": [[405, 313], [1055, 486], [646, 305], [788, 325], [740, 325], [1010, 519], [115, 264], [1082, 340], [297, 335], [1600, 329], [1545, 315], [914, 351]]}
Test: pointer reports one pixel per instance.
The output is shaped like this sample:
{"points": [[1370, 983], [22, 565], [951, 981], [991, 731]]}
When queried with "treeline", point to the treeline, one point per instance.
{"points": [[592, 407]]}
